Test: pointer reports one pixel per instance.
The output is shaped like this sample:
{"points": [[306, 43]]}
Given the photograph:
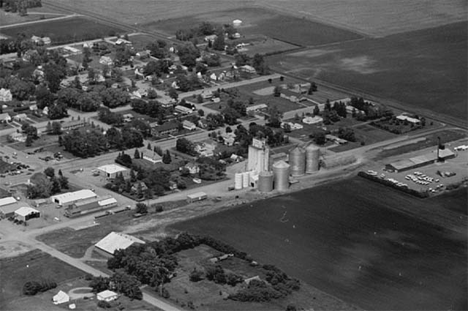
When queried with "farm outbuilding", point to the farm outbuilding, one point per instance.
{"points": [[114, 241], [72, 197], [419, 161], [111, 170], [25, 213], [198, 196], [107, 295], [60, 298]]}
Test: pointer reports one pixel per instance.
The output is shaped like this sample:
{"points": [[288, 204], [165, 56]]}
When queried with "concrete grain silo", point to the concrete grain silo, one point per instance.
{"points": [[281, 175], [238, 181], [297, 161], [265, 181], [312, 159], [245, 179]]}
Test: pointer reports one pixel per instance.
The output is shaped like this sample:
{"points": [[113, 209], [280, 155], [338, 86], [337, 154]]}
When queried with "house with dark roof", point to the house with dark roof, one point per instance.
{"points": [[168, 128]]}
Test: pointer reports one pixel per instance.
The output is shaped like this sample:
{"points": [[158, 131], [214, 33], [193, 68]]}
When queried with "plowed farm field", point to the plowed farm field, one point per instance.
{"points": [[376, 18]]}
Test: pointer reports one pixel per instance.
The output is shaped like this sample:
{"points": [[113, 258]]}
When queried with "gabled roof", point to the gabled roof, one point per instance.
{"points": [[114, 241]]}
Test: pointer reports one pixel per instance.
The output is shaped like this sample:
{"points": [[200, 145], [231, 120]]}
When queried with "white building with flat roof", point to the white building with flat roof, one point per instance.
{"points": [[7, 200], [107, 295], [117, 240], [111, 170], [72, 197]]}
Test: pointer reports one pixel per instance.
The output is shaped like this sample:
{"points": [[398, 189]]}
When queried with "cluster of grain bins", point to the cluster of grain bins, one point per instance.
{"points": [[304, 160], [242, 180]]}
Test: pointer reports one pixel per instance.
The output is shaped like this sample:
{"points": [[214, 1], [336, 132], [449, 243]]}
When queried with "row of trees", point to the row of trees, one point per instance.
{"points": [[257, 61], [93, 142], [31, 288]]}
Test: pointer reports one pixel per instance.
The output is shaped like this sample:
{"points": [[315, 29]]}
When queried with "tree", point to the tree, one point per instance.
{"points": [[31, 288], [57, 111], [50, 172], [56, 128], [141, 208], [219, 43], [196, 275], [137, 154], [173, 93], [53, 75], [185, 146], [277, 91], [63, 182], [167, 158]]}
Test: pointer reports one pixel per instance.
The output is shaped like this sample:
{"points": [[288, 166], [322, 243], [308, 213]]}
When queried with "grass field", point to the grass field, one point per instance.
{"points": [[323, 235], [64, 30], [32, 266], [425, 70], [75, 242], [368, 16]]}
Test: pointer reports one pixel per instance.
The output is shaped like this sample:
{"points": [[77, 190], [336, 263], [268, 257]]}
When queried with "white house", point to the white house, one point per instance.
{"points": [[60, 298], [189, 125], [111, 170], [312, 120], [5, 95], [107, 295], [5, 117], [106, 60], [20, 117]]}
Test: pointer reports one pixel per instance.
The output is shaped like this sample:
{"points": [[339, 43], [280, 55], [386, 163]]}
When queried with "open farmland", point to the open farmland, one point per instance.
{"points": [[371, 17], [258, 21], [350, 240], [425, 70], [64, 30], [32, 266]]}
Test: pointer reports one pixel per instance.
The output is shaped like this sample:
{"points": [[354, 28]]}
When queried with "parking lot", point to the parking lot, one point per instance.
{"points": [[433, 178]]}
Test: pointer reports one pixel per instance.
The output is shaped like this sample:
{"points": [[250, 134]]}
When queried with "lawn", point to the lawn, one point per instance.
{"points": [[420, 69], [65, 30], [32, 266]]}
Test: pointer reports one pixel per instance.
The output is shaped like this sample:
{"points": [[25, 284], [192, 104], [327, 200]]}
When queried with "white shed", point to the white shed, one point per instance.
{"points": [[107, 295]]}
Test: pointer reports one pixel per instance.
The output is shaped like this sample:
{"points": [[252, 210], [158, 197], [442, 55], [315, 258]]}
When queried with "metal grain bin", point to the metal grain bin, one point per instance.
{"points": [[265, 181], [297, 161], [238, 181], [312, 159], [281, 175]]}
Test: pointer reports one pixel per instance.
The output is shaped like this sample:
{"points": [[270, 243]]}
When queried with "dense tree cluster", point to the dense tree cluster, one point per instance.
{"points": [[31, 288], [120, 282], [257, 62], [107, 116], [185, 146], [85, 144], [273, 137], [346, 133], [43, 185]]}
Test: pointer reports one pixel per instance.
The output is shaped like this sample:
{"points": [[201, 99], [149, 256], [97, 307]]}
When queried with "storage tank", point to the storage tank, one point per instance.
{"points": [[238, 181], [312, 159], [297, 161], [265, 181], [245, 179], [281, 175]]}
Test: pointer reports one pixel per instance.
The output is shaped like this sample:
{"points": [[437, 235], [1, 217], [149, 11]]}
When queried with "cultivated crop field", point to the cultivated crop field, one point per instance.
{"points": [[64, 30], [258, 21], [424, 69], [371, 17], [350, 240]]}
